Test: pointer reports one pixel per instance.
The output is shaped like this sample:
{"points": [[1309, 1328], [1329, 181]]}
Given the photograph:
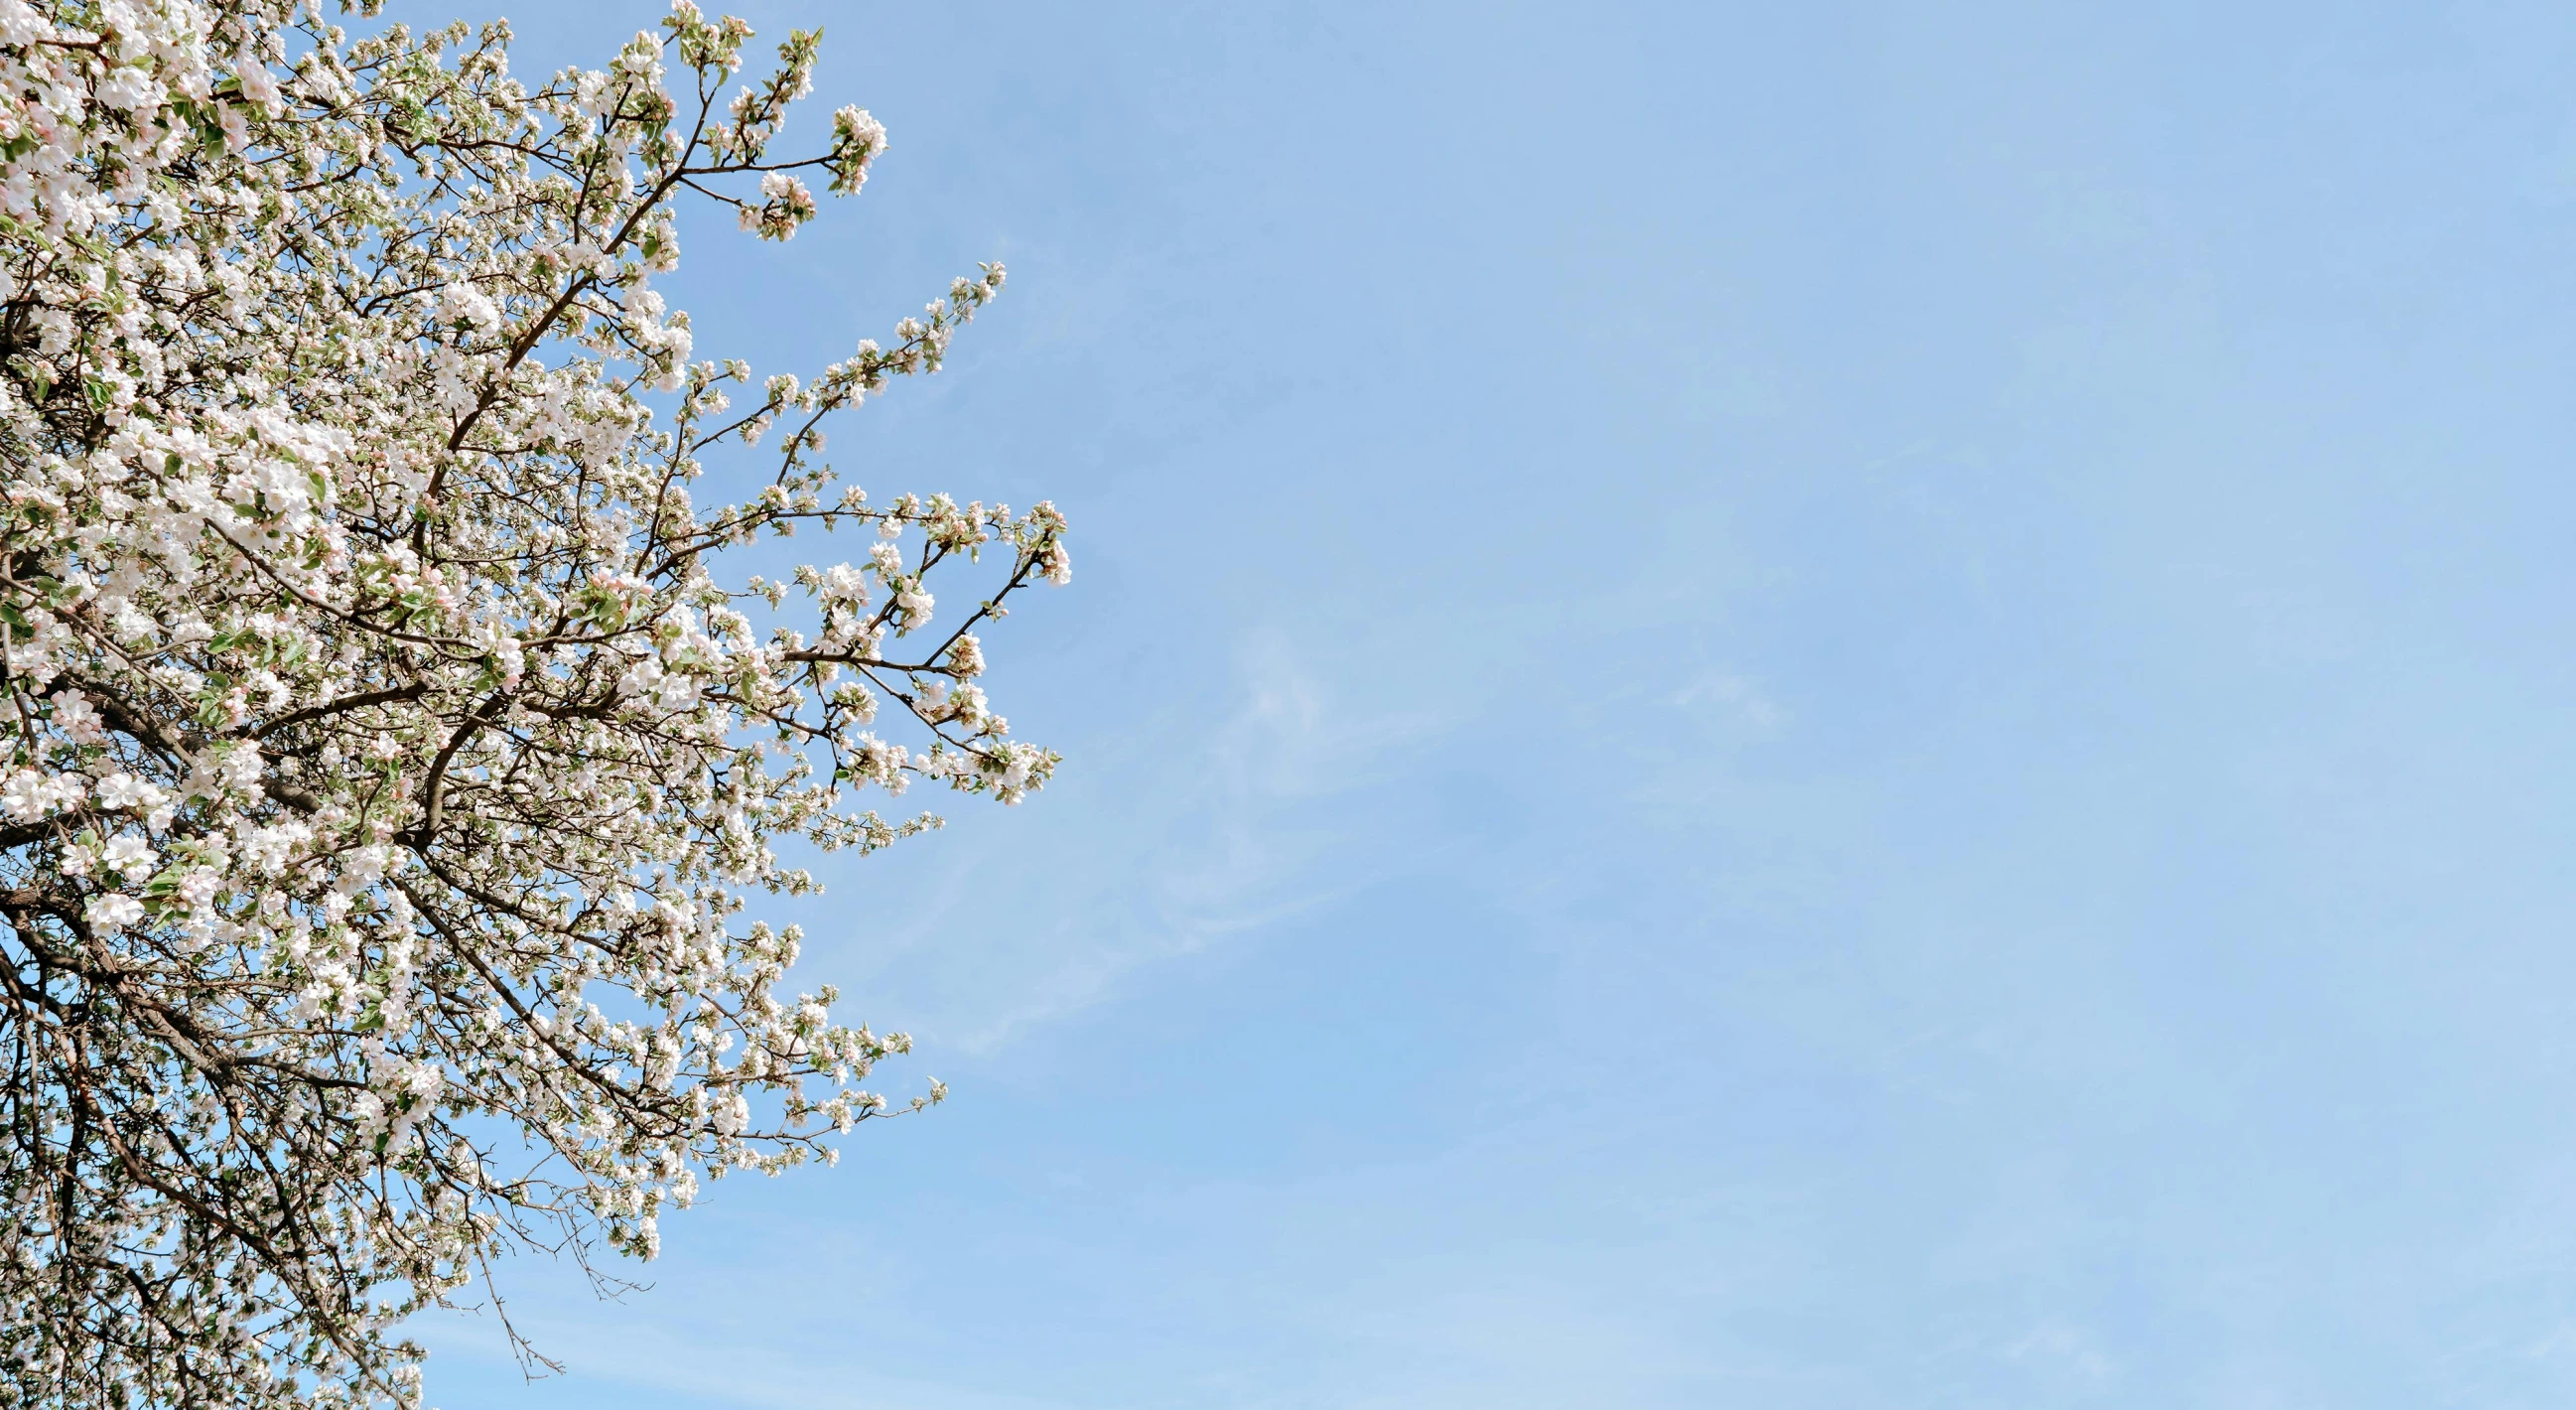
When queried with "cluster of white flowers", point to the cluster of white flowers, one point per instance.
{"points": [[384, 771]]}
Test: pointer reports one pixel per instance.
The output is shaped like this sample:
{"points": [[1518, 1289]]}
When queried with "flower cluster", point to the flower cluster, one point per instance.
{"points": [[385, 770]]}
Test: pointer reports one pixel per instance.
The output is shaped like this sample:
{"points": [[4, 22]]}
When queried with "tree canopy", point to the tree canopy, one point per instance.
{"points": [[387, 773]]}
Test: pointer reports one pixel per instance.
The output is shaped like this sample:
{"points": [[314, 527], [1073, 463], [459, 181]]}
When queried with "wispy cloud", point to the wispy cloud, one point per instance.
{"points": [[1729, 693], [2067, 1350], [1205, 824]]}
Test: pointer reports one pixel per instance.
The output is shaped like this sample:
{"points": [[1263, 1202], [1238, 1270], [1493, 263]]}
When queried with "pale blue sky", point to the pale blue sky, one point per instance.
{"points": [[1767, 705]]}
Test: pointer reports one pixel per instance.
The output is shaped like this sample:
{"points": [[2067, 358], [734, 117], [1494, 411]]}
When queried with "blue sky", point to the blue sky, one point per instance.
{"points": [[1824, 705]]}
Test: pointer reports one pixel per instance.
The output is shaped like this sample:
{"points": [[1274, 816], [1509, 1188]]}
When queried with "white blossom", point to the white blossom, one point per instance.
{"points": [[112, 911], [390, 771]]}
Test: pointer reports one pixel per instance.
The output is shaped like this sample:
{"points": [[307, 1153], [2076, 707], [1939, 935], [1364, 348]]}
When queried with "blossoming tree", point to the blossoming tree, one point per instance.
{"points": [[385, 770]]}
